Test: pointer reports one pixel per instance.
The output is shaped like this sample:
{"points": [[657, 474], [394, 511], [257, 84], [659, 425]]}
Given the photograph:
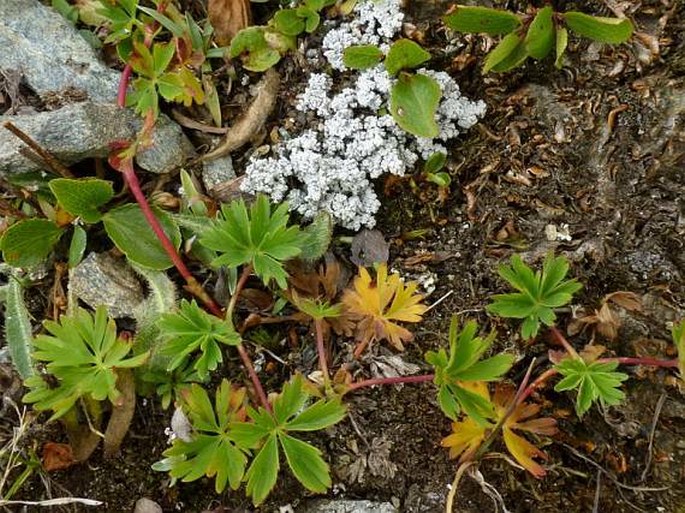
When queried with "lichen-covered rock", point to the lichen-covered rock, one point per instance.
{"points": [[50, 54], [101, 279], [86, 130]]}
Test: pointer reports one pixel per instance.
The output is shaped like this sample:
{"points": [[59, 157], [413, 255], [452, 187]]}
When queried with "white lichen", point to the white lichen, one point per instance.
{"points": [[329, 167]]}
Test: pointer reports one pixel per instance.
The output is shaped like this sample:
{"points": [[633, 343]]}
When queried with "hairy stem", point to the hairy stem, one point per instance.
{"points": [[390, 381], [318, 324]]}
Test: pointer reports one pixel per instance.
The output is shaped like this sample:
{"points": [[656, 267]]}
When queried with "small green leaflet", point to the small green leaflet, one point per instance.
{"points": [[505, 47], [414, 100], [251, 46], [594, 381], [77, 247], [82, 197], [362, 56], [18, 332], [604, 30], [405, 54], [28, 242], [482, 20], [540, 37], [539, 293], [192, 329], [463, 364]]}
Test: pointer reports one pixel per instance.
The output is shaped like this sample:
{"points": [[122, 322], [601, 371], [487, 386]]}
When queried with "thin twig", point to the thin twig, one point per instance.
{"points": [[390, 381], [321, 350], [598, 489], [463, 467], [440, 300], [652, 431], [47, 157]]}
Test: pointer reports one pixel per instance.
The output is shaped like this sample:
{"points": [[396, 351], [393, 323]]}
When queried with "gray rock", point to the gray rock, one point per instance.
{"points": [[101, 279], [84, 130], [50, 53], [217, 171], [145, 505], [346, 506]]}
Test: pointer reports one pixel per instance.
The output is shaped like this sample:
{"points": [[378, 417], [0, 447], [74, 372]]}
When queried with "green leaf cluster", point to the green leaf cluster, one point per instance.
{"points": [[415, 97], [463, 364], [223, 441], [538, 293], [81, 356], [595, 382], [534, 36], [261, 47], [271, 432], [258, 237], [191, 330]]}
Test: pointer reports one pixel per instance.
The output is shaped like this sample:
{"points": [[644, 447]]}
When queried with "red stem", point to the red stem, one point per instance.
{"points": [[562, 340], [391, 381], [123, 85], [652, 362], [322, 352], [247, 362]]}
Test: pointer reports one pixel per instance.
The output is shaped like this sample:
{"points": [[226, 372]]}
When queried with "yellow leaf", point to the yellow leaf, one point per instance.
{"points": [[376, 304], [465, 439]]}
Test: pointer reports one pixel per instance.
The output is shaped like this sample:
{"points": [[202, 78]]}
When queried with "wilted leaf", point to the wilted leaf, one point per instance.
{"points": [[228, 17], [57, 456], [377, 304]]}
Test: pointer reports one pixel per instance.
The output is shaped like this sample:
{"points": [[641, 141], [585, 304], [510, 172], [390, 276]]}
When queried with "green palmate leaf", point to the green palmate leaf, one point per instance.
{"points": [[131, 233], [540, 37], [82, 353], [414, 100], [258, 237], [362, 56], [306, 463], [482, 20], [463, 364], [77, 247], [190, 330], [594, 382], [18, 334], [678, 334], [28, 242], [288, 22], [604, 30], [211, 451], [82, 197], [405, 54], [539, 293], [508, 44], [561, 44], [272, 431]]}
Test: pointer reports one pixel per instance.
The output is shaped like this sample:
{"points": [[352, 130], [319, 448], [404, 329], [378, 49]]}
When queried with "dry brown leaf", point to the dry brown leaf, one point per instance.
{"points": [[228, 17], [57, 456], [628, 300]]}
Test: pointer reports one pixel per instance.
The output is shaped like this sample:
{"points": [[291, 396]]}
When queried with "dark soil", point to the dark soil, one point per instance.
{"points": [[598, 146]]}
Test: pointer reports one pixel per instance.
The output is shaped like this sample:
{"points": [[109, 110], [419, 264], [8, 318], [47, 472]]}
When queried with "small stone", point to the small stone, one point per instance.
{"points": [[217, 171], [346, 506], [145, 505], [101, 279]]}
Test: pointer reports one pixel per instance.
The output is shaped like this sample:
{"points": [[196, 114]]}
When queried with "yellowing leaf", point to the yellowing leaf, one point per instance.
{"points": [[521, 419], [376, 304], [465, 439]]}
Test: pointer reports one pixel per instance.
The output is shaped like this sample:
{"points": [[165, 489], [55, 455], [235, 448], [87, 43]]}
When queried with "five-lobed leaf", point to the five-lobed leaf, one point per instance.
{"points": [[539, 293], [595, 381], [190, 330], [258, 237], [376, 305]]}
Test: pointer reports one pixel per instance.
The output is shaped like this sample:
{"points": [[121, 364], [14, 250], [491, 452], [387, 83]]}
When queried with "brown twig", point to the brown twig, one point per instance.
{"points": [[390, 381], [47, 157]]}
